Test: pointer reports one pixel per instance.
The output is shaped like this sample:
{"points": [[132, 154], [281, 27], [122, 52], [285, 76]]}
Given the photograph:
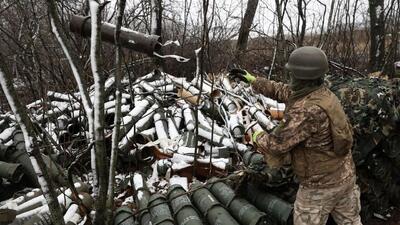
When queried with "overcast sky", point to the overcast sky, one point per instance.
{"points": [[228, 13], [265, 16]]}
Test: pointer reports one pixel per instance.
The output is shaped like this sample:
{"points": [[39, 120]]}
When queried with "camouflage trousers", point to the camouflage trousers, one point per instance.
{"points": [[313, 206]]}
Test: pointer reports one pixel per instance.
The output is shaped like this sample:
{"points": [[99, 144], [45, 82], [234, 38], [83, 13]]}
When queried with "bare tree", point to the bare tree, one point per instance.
{"points": [[156, 17], [280, 53], [244, 31], [321, 34], [377, 35], [302, 10], [188, 4], [117, 118], [156, 26], [100, 193]]}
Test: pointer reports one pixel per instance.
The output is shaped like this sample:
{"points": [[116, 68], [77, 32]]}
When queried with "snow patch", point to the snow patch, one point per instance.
{"points": [[129, 200], [182, 181], [6, 134], [138, 181]]}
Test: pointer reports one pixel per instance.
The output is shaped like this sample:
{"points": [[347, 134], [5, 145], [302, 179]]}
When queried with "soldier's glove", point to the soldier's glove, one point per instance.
{"points": [[255, 136], [242, 75]]}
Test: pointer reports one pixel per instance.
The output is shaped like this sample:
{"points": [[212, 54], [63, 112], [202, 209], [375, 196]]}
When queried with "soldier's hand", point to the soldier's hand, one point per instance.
{"points": [[255, 136], [242, 75], [258, 175]]}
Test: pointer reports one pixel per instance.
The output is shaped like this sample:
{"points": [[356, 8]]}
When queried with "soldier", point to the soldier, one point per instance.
{"points": [[316, 133]]}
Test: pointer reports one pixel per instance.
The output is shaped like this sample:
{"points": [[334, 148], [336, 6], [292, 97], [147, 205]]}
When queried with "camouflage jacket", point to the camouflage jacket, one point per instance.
{"points": [[305, 133]]}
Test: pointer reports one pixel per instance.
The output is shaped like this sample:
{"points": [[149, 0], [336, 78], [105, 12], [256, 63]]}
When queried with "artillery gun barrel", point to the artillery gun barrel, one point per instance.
{"points": [[134, 40]]}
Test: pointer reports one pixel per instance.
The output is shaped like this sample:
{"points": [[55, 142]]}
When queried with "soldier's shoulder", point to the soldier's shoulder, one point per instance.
{"points": [[312, 111]]}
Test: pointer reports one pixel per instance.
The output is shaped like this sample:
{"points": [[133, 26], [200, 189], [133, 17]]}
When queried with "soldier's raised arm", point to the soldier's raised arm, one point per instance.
{"points": [[272, 89]]}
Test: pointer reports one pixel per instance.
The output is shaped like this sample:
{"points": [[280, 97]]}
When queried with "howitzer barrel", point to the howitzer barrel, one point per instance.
{"points": [[129, 39]]}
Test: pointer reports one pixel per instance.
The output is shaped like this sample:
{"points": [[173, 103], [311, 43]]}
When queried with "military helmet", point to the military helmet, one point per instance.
{"points": [[307, 63]]}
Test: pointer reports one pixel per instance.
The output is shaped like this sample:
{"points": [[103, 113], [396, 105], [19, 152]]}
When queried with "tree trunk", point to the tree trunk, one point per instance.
{"points": [[46, 184], [280, 52], [117, 119], [244, 31], [156, 26], [156, 17], [301, 9], [377, 33], [100, 193]]}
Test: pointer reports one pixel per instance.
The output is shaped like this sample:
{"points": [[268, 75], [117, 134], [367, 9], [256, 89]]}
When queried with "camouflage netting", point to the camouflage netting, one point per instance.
{"points": [[373, 106]]}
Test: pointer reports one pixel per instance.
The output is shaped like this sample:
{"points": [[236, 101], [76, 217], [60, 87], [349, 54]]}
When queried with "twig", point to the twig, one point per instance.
{"points": [[343, 67]]}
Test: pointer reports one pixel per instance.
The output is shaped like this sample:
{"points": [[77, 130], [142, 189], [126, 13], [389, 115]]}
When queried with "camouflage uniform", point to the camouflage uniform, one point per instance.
{"points": [[327, 178], [313, 205]]}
